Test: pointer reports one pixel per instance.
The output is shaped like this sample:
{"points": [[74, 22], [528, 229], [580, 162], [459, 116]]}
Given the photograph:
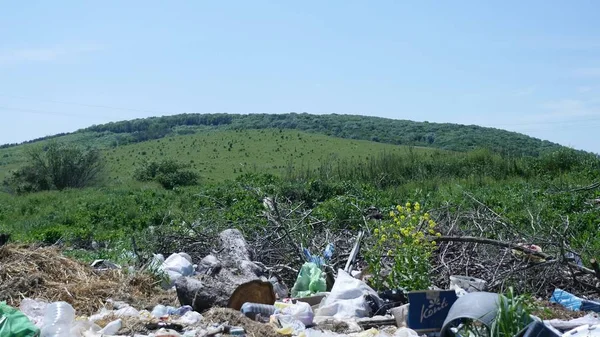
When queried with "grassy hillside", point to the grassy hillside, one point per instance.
{"points": [[399, 132], [219, 155]]}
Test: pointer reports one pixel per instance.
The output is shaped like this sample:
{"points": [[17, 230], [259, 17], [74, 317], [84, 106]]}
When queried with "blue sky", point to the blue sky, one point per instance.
{"points": [[526, 66]]}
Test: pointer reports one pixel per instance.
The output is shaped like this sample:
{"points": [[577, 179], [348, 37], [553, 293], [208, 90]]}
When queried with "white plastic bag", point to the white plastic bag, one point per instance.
{"points": [[347, 298], [301, 311], [178, 263], [190, 318], [34, 309], [127, 312], [176, 266]]}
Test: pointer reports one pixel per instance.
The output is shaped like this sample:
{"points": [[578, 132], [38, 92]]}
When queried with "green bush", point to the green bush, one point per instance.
{"points": [[168, 173], [58, 166]]}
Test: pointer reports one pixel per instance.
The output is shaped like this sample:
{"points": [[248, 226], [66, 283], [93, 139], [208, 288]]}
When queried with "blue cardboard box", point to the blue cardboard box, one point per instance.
{"points": [[428, 309]]}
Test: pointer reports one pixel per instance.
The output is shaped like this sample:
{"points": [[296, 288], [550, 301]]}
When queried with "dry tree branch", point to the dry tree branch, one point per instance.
{"points": [[472, 239]]}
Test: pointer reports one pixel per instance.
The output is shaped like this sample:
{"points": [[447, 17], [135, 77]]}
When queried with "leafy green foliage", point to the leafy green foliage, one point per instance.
{"points": [[402, 242], [513, 315], [168, 173], [58, 166]]}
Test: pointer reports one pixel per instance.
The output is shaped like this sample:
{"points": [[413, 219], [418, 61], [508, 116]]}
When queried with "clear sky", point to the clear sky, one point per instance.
{"points": [[527, 66]]}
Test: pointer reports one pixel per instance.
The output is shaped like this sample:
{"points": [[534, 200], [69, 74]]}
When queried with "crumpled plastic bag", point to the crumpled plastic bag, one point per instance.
{"points": [[34, 309], [311, 280], [175, 266], [301, 311], [347, 298], [14, 323]]}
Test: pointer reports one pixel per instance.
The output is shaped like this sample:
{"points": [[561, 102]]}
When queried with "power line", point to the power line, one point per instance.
{"points": [[41, 112], [85, 105]]}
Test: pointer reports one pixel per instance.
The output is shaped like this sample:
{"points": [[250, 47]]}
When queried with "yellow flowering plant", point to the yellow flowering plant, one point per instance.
{"points": [[399, 254]]}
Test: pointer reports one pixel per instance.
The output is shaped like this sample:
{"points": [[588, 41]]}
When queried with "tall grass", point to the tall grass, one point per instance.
{"points": [[386, 169]]}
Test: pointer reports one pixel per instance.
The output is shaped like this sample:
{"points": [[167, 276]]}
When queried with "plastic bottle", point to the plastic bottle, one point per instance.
{"points": [[250, 310], [58, 320], [112, 328]]}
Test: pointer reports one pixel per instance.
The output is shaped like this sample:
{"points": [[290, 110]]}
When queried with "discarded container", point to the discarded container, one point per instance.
{"points": [[251, 310], [470, 284], [58, 320], [401, 315], [112, 328], [428, 309], [237, 331], [479, 306]]}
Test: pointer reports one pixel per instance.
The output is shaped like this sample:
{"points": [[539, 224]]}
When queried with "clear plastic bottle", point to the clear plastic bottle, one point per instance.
{"points": [[58, 320]]}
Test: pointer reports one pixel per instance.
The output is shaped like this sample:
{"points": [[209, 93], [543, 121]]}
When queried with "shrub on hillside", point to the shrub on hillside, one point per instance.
{"points": [[168, 172], [56, 167]]}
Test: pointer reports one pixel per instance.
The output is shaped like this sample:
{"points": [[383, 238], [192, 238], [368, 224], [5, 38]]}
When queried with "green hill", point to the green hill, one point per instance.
{"points": [[398, 132], [218, 155]]}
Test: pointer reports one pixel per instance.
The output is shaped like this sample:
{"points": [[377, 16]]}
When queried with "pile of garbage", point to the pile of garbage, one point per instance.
{"points": [[226, 293]]}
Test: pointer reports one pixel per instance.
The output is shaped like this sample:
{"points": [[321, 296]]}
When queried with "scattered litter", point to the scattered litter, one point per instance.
{"points": [[311, 280], [429, 309], [589, 319], [14, 323], [469, 284], [255, 291], [101, 265], [573, 302], [190, 318], [61, 294], [112, 328], [127, 312], [256, 311], [584, 331], [401, 315], [34, 309], [347, 298], [478, 306], [176, 266]]}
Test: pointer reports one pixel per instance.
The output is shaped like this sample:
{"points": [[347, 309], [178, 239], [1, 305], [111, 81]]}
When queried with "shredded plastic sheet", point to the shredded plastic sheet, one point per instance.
{"points": [[14, 323]]}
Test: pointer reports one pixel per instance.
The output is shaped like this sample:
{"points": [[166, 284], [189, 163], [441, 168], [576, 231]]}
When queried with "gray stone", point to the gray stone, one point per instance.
{"points": [[218, 276]]}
